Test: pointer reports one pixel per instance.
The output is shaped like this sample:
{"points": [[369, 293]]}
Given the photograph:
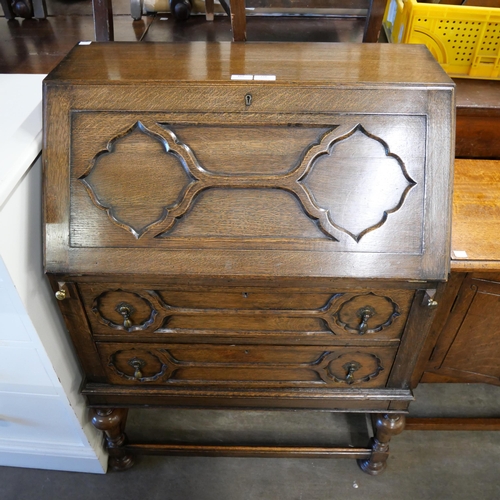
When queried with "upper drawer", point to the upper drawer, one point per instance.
{"points": [[352, 317]]}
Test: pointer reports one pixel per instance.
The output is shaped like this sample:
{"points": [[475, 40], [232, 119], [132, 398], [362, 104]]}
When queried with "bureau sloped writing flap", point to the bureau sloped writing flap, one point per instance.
{"points": [[337, 187], [275, 188]]}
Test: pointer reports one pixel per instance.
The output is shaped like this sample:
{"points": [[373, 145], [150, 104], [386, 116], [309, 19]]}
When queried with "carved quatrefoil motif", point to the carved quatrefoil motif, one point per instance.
{"points": [[147, 179], [352, 368], [138, 365], [124, 310], [355, 182], [380, 313], [139, 178]]}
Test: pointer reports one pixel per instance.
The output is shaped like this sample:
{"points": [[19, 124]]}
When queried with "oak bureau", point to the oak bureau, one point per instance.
{"points": [[248, 226]]}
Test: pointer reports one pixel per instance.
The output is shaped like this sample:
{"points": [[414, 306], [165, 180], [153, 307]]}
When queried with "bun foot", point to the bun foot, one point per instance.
{"points": [[121, 463], [372, 468]]}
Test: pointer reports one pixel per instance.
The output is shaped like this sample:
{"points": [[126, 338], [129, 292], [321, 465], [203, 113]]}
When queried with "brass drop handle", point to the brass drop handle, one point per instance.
{"points": [[137, 364], [351, 368], [365, 314], [125, 312], [63, 292]]}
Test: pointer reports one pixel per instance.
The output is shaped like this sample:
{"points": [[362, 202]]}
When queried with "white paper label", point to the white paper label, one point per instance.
{"points": [[85, 42], [241, 77], [460, 254], [268, 78]]}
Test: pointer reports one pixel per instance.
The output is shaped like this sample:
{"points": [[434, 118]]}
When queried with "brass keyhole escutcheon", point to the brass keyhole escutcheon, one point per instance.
{"points": [[248, 99]]}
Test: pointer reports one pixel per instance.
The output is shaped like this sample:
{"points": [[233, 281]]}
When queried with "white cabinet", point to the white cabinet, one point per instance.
{"points": [[43, 420]]}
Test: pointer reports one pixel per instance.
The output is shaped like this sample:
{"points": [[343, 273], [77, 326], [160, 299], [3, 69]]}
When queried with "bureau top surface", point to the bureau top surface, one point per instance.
{"points": [[294, 63]]}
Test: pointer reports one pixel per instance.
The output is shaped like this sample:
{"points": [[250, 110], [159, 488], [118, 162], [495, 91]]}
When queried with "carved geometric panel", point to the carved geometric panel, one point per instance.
{"points": [[352, 313], [358, 182], [352, 368], [137, 179], [138, 365], [368, 313], [327, 190], [262, 151]]}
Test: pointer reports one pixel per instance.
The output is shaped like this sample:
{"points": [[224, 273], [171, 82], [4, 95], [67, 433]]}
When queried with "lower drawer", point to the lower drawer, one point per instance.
{"points": [[246, 365]]}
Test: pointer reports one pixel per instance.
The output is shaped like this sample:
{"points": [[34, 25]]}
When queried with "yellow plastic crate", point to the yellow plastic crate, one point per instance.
{"points": [[464, 40]]}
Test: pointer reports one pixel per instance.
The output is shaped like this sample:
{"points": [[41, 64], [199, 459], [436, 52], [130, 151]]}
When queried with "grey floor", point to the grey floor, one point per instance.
{"points": [[423, 464]]}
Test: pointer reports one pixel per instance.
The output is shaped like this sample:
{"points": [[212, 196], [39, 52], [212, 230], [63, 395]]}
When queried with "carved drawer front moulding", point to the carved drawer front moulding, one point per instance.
{"points": [[124, 310], [247, 365], [343, 196], [345, 313]]}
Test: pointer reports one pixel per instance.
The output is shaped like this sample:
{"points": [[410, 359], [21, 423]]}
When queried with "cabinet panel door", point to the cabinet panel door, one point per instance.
{"points": [[468, 349]]}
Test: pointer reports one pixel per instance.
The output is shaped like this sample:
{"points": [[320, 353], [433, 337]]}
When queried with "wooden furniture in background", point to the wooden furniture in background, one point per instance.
{"points": [[374, 19], [24, 8], [103, 19], [478, 119], [464, 341], [220, 241], [371, 33]]}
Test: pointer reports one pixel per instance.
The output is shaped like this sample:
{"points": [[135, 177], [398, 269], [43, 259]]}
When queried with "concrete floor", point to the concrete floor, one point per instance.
{"points": [[444, 465]]}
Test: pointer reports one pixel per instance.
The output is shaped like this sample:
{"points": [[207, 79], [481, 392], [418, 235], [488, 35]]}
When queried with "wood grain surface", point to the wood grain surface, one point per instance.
{"points": [[476, 215]]}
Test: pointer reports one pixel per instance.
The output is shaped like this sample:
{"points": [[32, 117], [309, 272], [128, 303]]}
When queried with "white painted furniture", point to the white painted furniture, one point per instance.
{"points": [[43, 420]]}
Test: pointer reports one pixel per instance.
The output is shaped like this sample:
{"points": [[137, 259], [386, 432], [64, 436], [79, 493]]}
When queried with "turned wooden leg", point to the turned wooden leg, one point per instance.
{"points": [[386, 426], [112, 422]]}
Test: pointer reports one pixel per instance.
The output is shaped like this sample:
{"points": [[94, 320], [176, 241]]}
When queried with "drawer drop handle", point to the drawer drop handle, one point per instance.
{"points": [[365, 314], [137, 364], [351, 368], [63, 292], [125, 312]]}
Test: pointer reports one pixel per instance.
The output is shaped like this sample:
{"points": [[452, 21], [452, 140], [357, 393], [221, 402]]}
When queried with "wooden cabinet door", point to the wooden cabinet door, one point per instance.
{"points": [[468, 347]]}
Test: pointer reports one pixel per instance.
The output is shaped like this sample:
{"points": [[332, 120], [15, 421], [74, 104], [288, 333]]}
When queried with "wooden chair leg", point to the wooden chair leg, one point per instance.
{"points": [[374, 19], [39, 9], [7, 9], [238, 20], [209, 10], [103, 20]]}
